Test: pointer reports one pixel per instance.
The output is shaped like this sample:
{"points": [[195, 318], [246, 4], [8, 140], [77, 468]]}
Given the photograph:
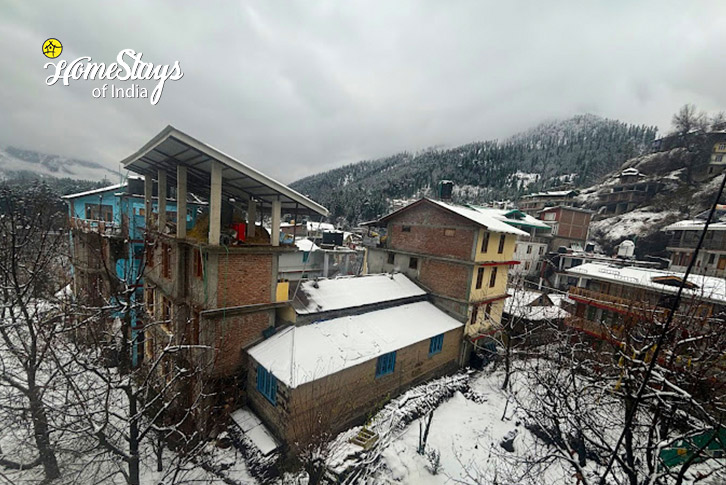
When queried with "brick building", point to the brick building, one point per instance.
{"points": [[570, 225], [460, 255], [213, 287], [533, 203], [327, 376], [608, 297]]}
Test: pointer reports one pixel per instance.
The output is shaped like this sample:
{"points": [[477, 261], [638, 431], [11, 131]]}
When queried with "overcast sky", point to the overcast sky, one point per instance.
{"points": [[293, 88]]}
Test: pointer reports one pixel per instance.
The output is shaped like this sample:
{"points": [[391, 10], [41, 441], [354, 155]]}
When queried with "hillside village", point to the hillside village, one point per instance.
{"points": [[259, 322]]}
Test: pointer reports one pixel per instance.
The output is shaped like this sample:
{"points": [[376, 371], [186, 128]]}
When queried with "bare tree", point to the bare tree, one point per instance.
{"points": [[688, 119], [126, 406], [31, 240]]}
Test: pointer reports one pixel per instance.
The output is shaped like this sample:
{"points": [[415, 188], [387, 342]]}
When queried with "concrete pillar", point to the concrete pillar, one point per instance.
{"points": [[276, 215], [215, 204], [251, 216], [148, 200], [325, 264], [161, 180], [181, 201]]}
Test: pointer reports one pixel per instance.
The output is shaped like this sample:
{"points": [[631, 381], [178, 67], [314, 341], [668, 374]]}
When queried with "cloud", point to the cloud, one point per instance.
{"points": [[293, 88]]}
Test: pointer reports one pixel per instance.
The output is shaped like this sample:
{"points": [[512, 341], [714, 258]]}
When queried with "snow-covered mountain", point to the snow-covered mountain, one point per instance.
{"points": [[14, 160], [682, 194]]}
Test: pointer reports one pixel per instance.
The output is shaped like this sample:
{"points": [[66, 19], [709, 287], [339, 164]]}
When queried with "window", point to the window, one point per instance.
{"points": [[493, 278], [529, 249], [488, 310], [485, 242], [165, 260], [413, 263], [267, 385], [405, 228], [474, 314], [722, 146], [526, 266], [386, 364], [436, 344], [306, 255], [149, 249], [198, 267], [711, 258], [391, 258], [479, 277], [99, 212], [541, 250], [149, 297], [449, 232], [502, 238], [549, 216]]}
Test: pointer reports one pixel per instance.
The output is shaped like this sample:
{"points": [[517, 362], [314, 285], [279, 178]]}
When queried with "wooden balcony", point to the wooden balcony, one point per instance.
{"points": [[635, 306], [91, 225]]}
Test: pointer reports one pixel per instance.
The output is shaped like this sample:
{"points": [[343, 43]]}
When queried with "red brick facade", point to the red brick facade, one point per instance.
{"points": [[244, 279], [429, 229], [230, 335], [444, 278]]}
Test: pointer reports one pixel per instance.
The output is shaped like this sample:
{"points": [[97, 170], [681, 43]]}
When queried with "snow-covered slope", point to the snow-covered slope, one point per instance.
{"points": [[19, 160]]}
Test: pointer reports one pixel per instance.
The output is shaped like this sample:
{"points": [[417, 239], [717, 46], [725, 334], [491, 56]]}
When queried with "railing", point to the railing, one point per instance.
{"points": [[595, 329], [623, 305], [92, 225]]}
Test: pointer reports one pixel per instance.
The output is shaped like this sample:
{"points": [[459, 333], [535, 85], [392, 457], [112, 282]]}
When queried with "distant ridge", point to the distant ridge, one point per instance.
{"points": [[572, 152]]}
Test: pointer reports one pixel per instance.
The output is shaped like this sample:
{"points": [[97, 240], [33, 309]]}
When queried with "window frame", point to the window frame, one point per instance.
{"points": [[405, 228], [267, 384], [391, 258], [413, 262], [493, 277], [386, 364], [479, 277], [502, 241], [436, 344], [485, 242]]}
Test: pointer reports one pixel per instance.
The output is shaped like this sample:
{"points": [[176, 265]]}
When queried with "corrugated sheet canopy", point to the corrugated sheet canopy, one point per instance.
{"points": [[172, 147]]}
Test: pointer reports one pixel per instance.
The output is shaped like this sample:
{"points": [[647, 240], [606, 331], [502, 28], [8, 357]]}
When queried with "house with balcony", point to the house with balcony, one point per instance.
{"points": [[107, 227], [683, 239], [632, 189], [608, 297], [533, 203], [460, 255], [528, 250]]}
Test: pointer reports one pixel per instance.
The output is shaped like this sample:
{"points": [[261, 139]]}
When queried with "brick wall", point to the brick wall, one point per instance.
{"points": [[341, 400], [230, 335], [244, 279], [432, 231], [448, 279]]}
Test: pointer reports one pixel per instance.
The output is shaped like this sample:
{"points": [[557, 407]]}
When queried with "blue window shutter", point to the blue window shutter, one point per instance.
{"points": [[436, 344]]}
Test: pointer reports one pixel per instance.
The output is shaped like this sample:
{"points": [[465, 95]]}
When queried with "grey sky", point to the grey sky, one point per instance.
{"points": [[293, 88]]}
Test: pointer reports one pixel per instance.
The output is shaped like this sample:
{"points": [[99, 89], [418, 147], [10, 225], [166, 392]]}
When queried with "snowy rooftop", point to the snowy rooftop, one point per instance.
{"points": [[551, 193], [353, 291], [520, 305], [298, 355], [305, 244], [695, 225], [482, 217], [110, 188], [708, 287], [253, 428], [516, 217]]}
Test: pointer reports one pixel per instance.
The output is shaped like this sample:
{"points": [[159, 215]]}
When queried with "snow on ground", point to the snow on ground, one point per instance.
{"points": [[639, 222], [467, 434]]}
